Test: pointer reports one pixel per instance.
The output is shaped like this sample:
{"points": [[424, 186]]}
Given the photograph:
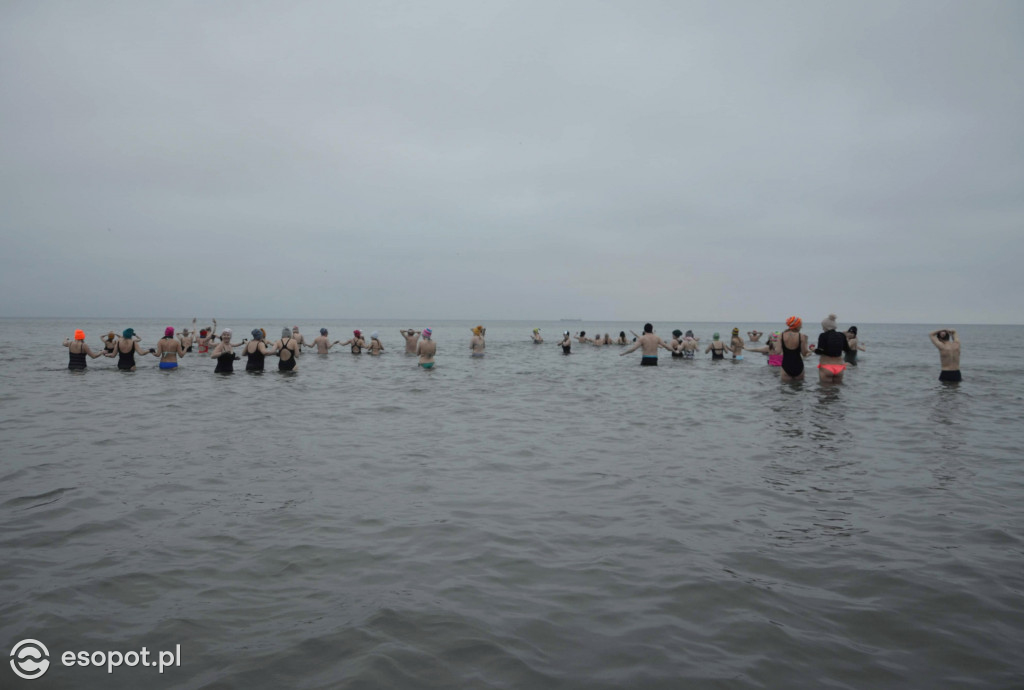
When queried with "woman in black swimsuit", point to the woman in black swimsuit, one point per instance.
{"points": [[77, 350], [285, 349], [794, 349], [255, 351], [716, 347], [126, 349], [224, 353], [109, 341]]}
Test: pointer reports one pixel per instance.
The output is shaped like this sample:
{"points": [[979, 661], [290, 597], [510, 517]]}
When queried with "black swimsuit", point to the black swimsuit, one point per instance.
{"points": [[717, 354], [126, 360], [76, 360], [255, 359], [792, 362], [225, 363], [283, 365]]}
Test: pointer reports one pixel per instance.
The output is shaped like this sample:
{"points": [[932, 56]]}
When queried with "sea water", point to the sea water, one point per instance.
{"points": [[523, 520]]}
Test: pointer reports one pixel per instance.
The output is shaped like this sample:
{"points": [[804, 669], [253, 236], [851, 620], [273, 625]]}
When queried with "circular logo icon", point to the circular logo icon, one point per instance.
{"points": [[29, 659]]}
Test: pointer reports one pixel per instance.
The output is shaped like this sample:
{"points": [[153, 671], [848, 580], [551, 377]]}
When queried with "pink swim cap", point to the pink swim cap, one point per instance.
{"points": [[169, 331]]}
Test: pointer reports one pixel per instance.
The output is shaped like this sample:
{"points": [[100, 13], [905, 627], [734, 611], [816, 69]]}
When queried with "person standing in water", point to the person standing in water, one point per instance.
{"points": [[565, 343], [736, 344], [537, 340], [773, 349], [754, 335], [831, 346], [476, 343], [186, 337], [688, 346], [794, 350], [426, 348], [109, 341], [224, 353], [855, 346], [355, 343], [375, 347], [286, 350], [299, 339], [255, 351], [126, 349], [411, 338], [77, 351], [948, 344], [649, 344], [322, 343], [716, 347], [168, 349]]}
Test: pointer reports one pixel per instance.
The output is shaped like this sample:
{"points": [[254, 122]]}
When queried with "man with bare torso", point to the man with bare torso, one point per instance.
{"points": [[649, 344], [411, 338], [322, 343], [948, 344]]}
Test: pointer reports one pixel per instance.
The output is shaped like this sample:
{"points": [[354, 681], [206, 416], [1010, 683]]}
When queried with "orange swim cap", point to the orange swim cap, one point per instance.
{"points": [[79, 334], [794, 322]]}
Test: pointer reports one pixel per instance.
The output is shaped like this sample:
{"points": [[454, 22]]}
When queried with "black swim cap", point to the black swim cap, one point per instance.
{"points": [[648, 328], [852, 329]]}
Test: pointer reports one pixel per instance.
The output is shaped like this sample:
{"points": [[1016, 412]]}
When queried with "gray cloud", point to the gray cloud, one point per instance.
{"points": [[513, 160]]}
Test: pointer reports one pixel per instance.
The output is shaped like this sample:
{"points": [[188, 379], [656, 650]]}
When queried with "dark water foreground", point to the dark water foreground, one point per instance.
{"points": [[525, 521]]}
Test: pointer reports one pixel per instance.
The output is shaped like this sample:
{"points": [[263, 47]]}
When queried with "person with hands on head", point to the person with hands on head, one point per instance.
{"points": [[948, 344]]}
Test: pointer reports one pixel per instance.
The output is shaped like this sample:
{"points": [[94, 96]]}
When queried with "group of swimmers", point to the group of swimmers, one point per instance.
{"points": [[785, 349], [287, 348]]}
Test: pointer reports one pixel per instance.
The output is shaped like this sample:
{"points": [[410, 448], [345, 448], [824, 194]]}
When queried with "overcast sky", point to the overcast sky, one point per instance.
{"points": [[513, 160]]}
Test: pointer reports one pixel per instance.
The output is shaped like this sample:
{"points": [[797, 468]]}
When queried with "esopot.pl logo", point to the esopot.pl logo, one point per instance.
{"points": [[30, 659]]}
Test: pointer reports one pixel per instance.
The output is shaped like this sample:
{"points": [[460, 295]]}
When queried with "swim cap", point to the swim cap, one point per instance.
{"points": [[323, 331], [648, 328], [426, 333], [111, 334], [794, 323], [715, 336], [202, 332], [852, 329], [227, 331], [356, 333], [225, 334], [128, 333], [735, 331], [169, 331], [285, 332], [774, 336], [565, 333], [677, 332], [79, 334], [263, 332], [257, 333], [536, 330], [477, 329], [373, 336], [829, 324]]}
